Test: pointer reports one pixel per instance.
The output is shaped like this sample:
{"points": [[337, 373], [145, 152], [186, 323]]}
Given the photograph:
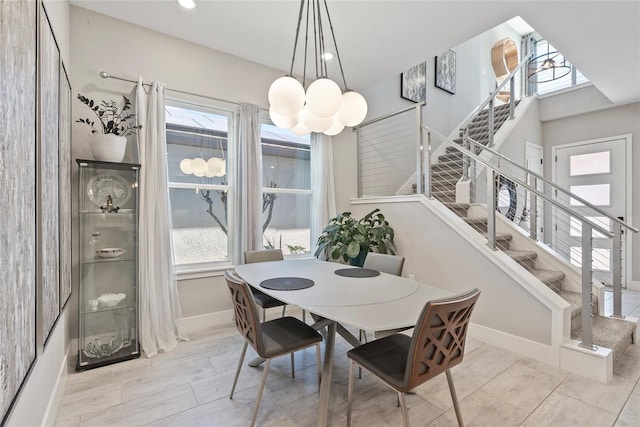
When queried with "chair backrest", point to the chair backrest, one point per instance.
{"points": [[246, 312], [439, 337], [390, 264], [262, 256]]}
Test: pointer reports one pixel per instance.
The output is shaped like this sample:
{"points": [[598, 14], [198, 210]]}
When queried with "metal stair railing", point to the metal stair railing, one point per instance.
{"points": [[496, 171]]}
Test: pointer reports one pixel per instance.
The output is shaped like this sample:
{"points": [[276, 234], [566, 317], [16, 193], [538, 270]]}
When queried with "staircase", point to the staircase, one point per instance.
{"points": [[615, 334]]}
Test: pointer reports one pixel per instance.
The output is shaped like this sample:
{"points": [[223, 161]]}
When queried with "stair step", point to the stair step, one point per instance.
{"points": [[439, 170], [502, 240], [479, 224], [551, 278], [525, 258], [459, 209], [608, 332], [444, 158]]}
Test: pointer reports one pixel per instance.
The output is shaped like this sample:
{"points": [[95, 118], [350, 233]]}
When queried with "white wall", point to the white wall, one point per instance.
{"points": [[38, 400], [601, 124]]}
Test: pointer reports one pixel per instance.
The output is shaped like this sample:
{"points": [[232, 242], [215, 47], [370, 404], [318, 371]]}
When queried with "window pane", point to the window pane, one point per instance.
{"points": [[601, 258], [199, 226], [587, 164], [286, 220], [194, 134], [597, 194], [576, 225], [285, 158]]}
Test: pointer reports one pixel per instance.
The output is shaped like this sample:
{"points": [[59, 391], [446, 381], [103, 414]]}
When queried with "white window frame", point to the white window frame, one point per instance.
{"points": [[200, 269]]}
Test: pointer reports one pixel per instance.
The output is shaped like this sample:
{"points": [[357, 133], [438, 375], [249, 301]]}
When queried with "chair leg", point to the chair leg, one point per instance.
{"points": [[240, 362], [403, 405], [454, 397], [284, 309], [293, 367], [265, 374], [350, 393], [264, 315], [319, 363], [304, 316]]}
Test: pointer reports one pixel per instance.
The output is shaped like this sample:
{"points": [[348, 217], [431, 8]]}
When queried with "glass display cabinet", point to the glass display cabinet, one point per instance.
{"points": [[108, 289]]}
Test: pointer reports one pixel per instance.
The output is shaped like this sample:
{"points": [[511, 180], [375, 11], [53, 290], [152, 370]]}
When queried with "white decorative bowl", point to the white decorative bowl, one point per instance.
{"points": [[109, 300], [110, 252]]}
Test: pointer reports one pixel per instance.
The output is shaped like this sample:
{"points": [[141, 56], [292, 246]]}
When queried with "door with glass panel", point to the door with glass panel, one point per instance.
{"points": [[597, 172]]}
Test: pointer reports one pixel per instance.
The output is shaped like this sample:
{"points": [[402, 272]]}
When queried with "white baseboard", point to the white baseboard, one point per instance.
{"points": [[596, 365], [634, 285], [531, 349], [56, 397], [193, 324]]}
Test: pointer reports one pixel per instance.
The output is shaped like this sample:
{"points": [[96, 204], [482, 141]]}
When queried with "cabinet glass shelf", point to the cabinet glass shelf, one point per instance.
{"points": [[108, 285]]}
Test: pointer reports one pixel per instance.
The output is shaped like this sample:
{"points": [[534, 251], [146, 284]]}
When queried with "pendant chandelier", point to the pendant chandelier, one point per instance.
{"points": [[548, 67], [324, 107]]}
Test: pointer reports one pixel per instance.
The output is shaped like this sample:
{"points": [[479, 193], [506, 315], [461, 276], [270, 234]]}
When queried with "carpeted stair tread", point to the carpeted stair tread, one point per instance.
{"points": [[523, 257], [475, 220], [548, 277], [574, 299], [610, 333]]}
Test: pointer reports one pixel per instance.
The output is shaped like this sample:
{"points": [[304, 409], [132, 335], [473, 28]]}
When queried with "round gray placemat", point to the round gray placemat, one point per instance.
{"points": [[287, 283], [357, 272]]}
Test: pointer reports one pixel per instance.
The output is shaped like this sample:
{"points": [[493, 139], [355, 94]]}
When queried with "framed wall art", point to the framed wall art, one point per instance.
{"points": [[446, 71], [18, 205], [413, 83]]}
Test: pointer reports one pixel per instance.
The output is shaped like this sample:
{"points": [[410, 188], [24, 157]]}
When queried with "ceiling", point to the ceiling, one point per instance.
{"points": [[379, 39]]}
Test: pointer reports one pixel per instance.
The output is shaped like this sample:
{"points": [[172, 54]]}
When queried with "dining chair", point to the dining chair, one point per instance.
{"points": [[390, 264], [404, 362], [274, 338], [263, 300]]}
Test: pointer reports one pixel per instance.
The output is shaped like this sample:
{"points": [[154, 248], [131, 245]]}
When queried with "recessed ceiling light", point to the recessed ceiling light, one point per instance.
{"points": [[187, 4], [327, 56]]}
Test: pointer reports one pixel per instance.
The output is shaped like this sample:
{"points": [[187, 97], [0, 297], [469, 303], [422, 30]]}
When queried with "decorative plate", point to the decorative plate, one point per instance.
{"points": [[108, 184], [110, 252]]}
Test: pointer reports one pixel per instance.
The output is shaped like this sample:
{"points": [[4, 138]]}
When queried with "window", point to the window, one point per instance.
{"points": [[197, 157], [286, 170]]}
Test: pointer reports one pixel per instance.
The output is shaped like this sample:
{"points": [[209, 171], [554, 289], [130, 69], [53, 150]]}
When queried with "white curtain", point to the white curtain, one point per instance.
{"points": [[159, 304], [249, 181], [323, 199]]}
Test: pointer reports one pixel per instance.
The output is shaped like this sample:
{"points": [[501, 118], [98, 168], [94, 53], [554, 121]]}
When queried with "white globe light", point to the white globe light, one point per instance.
{"points": [[214, 165], [324, 98], [353, 109], [335, 128], [208, 173], [199, 166], [223, 168], [185, 166], [315, 123], [286, 96], [300, 129], [281, 120]]}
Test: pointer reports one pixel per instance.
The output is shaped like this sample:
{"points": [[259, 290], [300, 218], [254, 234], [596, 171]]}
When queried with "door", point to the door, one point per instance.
{"points": [[597, 172], [534, 162]]}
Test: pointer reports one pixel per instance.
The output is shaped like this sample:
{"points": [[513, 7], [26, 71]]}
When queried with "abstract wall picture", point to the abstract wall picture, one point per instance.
{"points": [[48, 168], [18, 203], [64, 155], [413, 83], [446, 71]]}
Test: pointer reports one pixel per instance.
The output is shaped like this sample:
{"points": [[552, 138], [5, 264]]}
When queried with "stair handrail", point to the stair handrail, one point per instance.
{"points": [[554, 186], [550, 199], [496, 91]]}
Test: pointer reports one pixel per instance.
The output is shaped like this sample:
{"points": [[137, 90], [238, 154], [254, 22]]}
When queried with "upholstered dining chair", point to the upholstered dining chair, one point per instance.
{"points": [[263, 300], [278, 337], [390, 264], [404, 362]]}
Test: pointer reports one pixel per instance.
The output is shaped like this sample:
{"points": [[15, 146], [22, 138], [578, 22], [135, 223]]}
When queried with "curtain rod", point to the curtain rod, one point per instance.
{"points": [[106, 75]]}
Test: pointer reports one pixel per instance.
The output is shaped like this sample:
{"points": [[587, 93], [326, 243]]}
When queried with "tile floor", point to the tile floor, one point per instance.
{"points": [[190, 387]]}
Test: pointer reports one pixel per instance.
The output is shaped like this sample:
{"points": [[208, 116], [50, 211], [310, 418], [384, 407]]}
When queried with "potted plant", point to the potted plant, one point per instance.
{"points": [[108, 142], [350, 240]]}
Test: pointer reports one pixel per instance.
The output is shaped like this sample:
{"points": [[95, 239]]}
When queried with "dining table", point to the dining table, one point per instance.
{"points": [[339, 295]]}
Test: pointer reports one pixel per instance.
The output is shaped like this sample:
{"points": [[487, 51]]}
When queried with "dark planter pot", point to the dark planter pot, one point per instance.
{"points": [[359, 260]]}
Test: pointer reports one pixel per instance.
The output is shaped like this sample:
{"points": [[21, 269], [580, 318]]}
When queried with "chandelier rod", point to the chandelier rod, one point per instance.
{"points": [[335, 44], [295, 43]]}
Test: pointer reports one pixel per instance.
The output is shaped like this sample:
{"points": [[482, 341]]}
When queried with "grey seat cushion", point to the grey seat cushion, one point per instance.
{"points": [[265, 301], [386, 358], [281, 336]]}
